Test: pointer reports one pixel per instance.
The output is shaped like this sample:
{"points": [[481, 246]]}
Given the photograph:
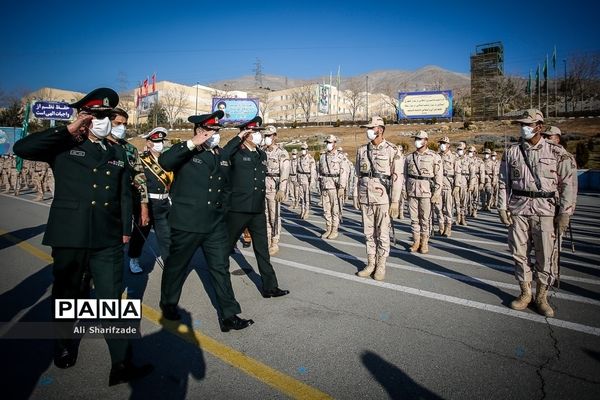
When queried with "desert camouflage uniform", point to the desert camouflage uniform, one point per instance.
{"points": [[307, 177], [15, 176], [476, 172], [444, 209], [40, 169], [293, 180], [278, 171], [489, 169], [495, 177], [5, 163], [332, 177], [380, 177]]}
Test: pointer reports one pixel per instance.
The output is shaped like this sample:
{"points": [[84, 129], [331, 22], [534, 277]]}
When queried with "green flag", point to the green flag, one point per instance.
{"points": [[19, 161], [554, 59], [545, 69], [537, 78], [528, 89]]}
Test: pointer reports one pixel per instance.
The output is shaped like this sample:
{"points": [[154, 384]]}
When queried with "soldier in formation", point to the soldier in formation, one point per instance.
{"points": [[333, 183], [306, 178], [451, 171], [293, 180]]}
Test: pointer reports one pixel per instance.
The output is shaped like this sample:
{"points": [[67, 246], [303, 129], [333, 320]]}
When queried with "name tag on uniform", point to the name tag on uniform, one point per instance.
{"points": [[225, 163], [246, 159], [77, 153], [117, 163], [197, 160]]}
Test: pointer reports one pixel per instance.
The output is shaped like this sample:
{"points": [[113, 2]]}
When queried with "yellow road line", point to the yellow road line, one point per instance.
{"points": [[256, 369]]}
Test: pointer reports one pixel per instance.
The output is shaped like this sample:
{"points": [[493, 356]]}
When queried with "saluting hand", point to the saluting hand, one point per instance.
{"points": [[126, 239], [244, 134], [82, 121], [200, 138]]}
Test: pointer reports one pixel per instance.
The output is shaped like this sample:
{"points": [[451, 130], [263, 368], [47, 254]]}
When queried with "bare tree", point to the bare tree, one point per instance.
{"points": [[174, 101], [508, 92], [355, 97], [264, 105], [391, 96], [583, 79], [303, 98]]}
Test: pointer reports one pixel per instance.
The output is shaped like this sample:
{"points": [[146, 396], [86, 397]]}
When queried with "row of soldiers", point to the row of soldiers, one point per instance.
{"points": [[36, 175]]}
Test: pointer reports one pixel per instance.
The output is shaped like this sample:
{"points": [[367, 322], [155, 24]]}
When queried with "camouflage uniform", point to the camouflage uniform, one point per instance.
{"points": [[380, 176], [476, 173], [424, 177], [307, 177], [352, 180], [49, 181], [535, 210], [461, 196], [495, 177], [489, 169], [5, 163], [15, 176], [278, 171], [39, 175], [346, 168], [402, 200], [451, 171], [293, 181], [332, 178]]}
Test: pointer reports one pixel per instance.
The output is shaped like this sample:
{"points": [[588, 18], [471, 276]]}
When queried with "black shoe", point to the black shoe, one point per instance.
{"points": [[235, 322], [125, 372], [274, 293], [65, 356], [246, 244], [170, 312]]}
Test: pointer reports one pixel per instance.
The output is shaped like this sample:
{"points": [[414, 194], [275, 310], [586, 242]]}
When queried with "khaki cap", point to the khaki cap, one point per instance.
{"points": [[270, 130], [494, 153], [421, 135], [531, 116], [331, 138], [461, 146], [375, 121], [472, 148], [551, 131], [294, 151], [340, 149], [487, 151], [304, 146], [445, 139]]}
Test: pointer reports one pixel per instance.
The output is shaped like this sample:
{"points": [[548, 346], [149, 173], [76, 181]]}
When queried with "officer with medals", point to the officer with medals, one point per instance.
{"points": [[247, 175], [90, 217], [197, 218], [158, 182]]}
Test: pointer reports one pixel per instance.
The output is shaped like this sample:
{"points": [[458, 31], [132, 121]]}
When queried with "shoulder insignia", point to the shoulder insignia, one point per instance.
{"points": [[78, 153]]}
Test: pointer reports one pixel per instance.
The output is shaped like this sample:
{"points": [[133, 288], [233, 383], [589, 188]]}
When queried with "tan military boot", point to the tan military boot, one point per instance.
{"points": [[464, 220], [448, 231], [416, 243], [424, 244], [327, 232], [523, 300], [541, 301], [380, 269], [368, 270], [442, 229], [273, 249], [333, 234]]}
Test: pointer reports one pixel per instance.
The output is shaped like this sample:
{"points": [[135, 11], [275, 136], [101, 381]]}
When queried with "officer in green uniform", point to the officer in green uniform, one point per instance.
{"points": [[197, 218], [247, 206], [90, 216]]}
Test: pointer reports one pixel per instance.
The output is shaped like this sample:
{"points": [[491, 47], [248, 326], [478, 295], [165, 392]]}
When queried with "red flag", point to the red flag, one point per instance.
{"points": [[154, 82], [146, 86]]}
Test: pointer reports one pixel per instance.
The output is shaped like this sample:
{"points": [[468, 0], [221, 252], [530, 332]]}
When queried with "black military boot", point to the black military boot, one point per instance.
{"points": [[235, 322]]}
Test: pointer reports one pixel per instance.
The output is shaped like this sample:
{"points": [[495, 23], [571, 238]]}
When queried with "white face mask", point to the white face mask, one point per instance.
{"points": [[527, 132], [443, 146], [487, 156], [256, 138], [371, 135], [494, 158], [419, 143], [213, 141], [461, 152], [158, 147], [329, 146], [100, 127], [268, 141], [470, 154], [304, 152], [118, 131]]}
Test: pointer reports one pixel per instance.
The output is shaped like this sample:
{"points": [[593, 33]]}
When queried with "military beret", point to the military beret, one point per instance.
{"points": [[157, 134], [207, 120], [100, 99], [254, 124]]}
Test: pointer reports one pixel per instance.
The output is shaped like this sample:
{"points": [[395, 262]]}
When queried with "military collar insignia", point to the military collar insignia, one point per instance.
{"points": [[77, 153]]}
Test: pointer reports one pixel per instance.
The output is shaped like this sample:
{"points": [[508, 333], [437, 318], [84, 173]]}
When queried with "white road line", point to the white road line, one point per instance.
{"points": [[457, 276], [590, 330]]}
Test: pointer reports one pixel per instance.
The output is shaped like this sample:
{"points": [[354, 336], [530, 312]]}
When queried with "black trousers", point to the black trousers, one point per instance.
{"points": [[214, 245], [257, 225], [159, 220], [71, 267]]}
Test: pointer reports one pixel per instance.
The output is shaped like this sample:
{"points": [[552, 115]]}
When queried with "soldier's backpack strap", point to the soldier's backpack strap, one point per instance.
{"points": [[536, 178], [416, 164]]}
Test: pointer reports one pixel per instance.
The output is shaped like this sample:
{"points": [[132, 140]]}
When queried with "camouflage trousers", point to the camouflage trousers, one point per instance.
{"points": [[38, 182], [5, 181], [304, 196], [487, 193], [537, 233], [331, 208], [273, 214], [376, 226], [293, 192], [460, 201], [16, 181], [443, 210], [420, 214]]}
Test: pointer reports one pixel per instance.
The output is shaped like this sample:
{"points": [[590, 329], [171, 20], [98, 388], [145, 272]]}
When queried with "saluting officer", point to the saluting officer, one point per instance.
{"points": [[424, 176], [489, 168], [307, 178], [333, 184], [451, 171], [278, 171], [461, 196], [536, 186], [197, 219], [247, 175], [380, 171], [158, 182], [90, 217]]}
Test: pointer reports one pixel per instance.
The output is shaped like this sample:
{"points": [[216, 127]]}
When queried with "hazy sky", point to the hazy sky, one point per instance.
{"points": [[86, 44]]}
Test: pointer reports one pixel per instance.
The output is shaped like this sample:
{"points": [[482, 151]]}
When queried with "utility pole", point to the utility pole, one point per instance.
{"points": [[565, 85]]}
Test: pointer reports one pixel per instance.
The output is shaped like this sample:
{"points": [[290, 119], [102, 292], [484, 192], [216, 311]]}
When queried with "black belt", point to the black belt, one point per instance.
{"points": [[304, 173], [331, 175], [374, 175], [273, 175], [450, 176], [420, 178], [534, 194], [292, 174]]}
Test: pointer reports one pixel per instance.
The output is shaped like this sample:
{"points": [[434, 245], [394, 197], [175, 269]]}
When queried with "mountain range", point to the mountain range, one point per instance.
{"points": [[430, 77]]}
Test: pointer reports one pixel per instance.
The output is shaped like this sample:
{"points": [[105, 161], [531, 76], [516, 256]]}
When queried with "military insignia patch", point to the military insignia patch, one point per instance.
{"points": [[105, 102], [77, 153], [246, 159], [117, 163], [225, 163], [197, 161]]}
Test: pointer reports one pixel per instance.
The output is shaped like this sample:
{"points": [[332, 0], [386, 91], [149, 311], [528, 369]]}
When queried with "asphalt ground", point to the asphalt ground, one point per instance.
{"points": [[437, 327]]}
